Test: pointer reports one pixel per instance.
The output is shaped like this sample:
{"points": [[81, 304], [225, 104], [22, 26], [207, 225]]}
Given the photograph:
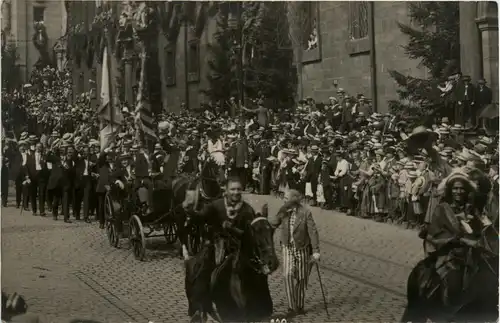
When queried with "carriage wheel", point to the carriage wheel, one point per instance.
{"points": [[170, 232], [136, 238], [110, 223]]}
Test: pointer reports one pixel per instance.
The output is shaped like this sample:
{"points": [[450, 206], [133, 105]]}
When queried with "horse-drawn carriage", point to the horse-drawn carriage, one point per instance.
{"points": [[127, 216]]}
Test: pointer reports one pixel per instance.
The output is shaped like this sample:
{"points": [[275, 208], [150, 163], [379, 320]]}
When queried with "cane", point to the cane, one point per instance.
{"points": [[322, 291]]}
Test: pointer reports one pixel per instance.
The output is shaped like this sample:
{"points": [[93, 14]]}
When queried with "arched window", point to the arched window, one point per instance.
{"points": [[358, 19]]}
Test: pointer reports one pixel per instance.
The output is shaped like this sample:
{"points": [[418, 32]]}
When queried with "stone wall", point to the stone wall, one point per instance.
{"points": [[22, 30], [348, 62]]}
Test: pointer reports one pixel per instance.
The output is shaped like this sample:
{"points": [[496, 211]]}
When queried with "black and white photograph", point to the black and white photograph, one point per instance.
{"points": [[249, 161]]}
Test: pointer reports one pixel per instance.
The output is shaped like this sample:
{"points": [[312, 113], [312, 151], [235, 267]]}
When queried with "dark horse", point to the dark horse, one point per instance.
{"points": [[238, 287], [203, 188], [478, 283]]}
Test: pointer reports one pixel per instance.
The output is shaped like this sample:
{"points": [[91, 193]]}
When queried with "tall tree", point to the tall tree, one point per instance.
{"points": [[269, 69], [221, 85], [436, 44]]}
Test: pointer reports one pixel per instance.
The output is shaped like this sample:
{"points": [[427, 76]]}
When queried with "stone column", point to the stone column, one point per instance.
{"points": [[128, 58], [470, 44], [488, 27]]}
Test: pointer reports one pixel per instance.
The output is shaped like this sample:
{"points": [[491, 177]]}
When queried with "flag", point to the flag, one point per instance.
{"points": [[109, 113], [143, 116], [144, 119]]}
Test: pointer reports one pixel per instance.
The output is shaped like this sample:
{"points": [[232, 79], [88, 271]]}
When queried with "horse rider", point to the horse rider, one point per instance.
{"points": [[299, 237]]}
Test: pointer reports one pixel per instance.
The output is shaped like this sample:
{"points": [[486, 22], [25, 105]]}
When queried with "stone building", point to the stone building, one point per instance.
{"points": [[352, 45], [19, 18]]}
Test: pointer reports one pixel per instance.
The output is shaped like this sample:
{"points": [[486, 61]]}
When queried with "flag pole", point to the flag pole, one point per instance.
{"points": [[109, 80]]}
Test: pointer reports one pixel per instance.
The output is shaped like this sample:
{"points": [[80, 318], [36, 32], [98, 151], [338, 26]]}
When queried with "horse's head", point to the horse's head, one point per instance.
{"points": [[265, 257], [209, 179]]}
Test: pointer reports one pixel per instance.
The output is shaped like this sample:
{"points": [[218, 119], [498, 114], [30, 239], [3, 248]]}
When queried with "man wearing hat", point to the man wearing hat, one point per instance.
{"points": [[22, 189], [142, 166], [313, 170], [483, 97], [464, 93]]}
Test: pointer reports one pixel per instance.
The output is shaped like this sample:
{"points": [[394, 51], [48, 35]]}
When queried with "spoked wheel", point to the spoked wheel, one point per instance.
{"points": [[170, 232], [136, 238], [110, 223]]}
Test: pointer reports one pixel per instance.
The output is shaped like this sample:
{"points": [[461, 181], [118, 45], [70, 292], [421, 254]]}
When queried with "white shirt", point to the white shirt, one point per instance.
{"points": [[86, 169], [342, 168], [25, 158], [38, 158]]}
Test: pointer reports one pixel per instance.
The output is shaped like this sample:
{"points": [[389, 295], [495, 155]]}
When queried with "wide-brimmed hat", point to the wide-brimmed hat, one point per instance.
{"points": [[456, 174]]}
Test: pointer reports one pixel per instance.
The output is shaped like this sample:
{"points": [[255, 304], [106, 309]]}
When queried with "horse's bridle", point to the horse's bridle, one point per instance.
{"points": [[255, 261]]}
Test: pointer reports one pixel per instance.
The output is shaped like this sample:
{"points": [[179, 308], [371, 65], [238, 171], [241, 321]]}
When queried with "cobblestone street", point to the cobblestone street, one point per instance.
{"points": [[69, 273]]}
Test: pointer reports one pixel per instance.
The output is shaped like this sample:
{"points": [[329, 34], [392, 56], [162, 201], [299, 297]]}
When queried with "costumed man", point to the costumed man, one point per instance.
{"points": [[299, 236]]}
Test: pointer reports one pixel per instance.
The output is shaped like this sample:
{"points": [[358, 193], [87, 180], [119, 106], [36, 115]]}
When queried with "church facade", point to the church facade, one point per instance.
{"points": [[350, 45]]}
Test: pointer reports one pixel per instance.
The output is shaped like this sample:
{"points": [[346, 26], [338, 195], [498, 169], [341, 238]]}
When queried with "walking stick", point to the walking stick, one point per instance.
{"points": [[322, 291]]}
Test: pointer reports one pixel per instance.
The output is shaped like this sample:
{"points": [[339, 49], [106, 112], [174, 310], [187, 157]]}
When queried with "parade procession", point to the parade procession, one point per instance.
{"points": [[129, 195]]}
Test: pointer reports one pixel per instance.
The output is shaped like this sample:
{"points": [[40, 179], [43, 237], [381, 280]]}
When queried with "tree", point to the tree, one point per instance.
{"points": [[269, 69], [436, 43], [297, 21], [221, 86], [11, 72]]}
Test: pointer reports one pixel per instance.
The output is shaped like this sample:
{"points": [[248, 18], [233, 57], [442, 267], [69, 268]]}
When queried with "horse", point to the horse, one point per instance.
{"points": [[201, 189], [478, 294], [238, 287]]}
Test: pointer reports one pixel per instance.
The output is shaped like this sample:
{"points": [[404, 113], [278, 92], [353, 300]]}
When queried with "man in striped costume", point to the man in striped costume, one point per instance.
{"points": [[299, 238]]}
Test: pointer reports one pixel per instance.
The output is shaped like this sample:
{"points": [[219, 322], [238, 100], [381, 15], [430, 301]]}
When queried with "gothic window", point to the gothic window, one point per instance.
{"points": [[310, 36], [170, 72], [358, 19], [193, 61], [38, 13]]}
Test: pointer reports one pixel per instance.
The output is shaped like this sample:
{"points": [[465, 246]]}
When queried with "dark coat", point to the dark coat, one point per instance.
{"points": [[141, 165], [313, 169]]}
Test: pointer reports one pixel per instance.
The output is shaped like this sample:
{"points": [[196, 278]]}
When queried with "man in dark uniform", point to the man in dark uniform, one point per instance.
{"points": [[68, 180], [329, 164], [54, 188], [86, 171], [142, 167]]}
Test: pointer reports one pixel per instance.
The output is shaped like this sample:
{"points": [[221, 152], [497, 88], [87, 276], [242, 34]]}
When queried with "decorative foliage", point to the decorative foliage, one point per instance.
{"points": [[41, 42], [436, 43]]}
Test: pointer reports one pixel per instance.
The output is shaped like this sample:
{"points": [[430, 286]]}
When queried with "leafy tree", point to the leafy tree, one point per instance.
{"points": [[221, 77], [11, 72], [269, 69], [436, 43]]}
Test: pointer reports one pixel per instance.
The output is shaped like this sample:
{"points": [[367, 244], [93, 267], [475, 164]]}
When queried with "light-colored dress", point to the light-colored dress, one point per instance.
{"points": [[215, 149]]}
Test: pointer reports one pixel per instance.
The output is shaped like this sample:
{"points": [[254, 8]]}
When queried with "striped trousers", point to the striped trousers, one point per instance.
{"points": [[295, 270]]}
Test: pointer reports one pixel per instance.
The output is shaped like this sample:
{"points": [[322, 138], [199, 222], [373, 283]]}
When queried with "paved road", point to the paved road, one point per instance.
{"points": [[69, 273]]}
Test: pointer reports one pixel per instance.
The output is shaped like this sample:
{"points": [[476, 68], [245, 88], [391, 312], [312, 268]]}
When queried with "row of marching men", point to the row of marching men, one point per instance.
{"points": [[71, 177]]}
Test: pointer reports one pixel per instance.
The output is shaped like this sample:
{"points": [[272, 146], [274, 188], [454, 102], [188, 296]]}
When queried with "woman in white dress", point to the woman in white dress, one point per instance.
{"points": [[215, 149]]}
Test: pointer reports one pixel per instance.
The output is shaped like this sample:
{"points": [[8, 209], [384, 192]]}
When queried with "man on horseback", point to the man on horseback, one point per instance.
{"points": [[458, 279], [232, 267]]}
